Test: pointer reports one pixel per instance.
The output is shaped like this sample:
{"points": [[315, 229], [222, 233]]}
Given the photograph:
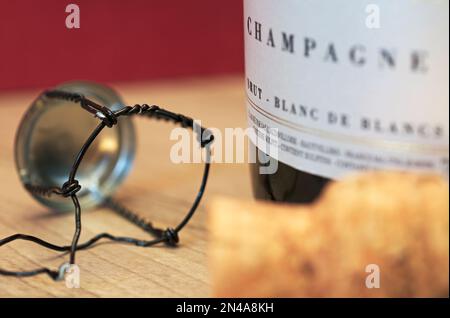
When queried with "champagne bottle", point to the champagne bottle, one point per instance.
{"points": [[346, 86]]}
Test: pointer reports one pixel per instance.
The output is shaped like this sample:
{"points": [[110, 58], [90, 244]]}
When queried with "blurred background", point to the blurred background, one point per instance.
{"points": [[118, 41]]}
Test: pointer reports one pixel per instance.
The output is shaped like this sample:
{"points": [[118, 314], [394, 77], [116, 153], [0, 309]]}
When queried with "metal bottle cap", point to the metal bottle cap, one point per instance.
{"points": [[52, 133]]}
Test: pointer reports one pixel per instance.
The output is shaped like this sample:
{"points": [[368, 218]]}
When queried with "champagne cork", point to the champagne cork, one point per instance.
{"points": [[380, 234]]}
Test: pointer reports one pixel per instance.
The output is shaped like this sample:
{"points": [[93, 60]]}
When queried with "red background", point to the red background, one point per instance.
{"points": [[118, 40]]}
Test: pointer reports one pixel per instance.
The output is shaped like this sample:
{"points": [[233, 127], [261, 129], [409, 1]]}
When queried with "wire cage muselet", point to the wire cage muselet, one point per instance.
{"points": [[51, 144]]}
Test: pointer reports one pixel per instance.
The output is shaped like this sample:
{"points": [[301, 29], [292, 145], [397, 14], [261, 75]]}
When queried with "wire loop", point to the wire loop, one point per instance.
{"points": [[171, 237], [71, 187]]}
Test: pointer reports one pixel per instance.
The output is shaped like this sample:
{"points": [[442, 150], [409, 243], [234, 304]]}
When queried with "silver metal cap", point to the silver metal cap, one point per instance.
{"points": [[52, 133]]}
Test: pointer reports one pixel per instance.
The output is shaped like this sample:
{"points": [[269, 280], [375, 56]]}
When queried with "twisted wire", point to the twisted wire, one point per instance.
{"points": [[129, 215]]}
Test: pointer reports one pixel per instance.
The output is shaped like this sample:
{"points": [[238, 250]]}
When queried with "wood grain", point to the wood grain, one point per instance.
{"points": [[156, 188]]}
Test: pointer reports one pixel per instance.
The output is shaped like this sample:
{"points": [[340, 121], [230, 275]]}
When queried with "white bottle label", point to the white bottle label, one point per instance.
{"points": [[351, 85]]}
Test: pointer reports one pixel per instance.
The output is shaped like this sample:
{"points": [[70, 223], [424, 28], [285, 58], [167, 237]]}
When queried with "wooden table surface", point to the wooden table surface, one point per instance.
{"points": [[156, 188]]}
